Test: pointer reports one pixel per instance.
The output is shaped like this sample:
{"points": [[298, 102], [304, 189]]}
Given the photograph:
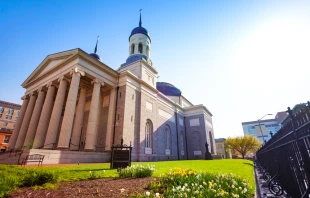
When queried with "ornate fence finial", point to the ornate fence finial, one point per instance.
{"points": [[290, 112]]}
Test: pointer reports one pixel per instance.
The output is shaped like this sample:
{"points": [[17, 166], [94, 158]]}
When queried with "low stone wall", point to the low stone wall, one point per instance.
{"points": [[69, 157]]}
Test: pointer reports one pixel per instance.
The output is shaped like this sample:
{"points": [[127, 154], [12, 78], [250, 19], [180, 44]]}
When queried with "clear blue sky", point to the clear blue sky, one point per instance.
{"points": [[241, 59]]}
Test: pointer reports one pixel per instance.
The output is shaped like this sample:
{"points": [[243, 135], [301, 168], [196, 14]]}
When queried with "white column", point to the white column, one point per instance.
{"points": [[56, 114], [92, 127], [45, 117], [66, 127], [19, 122], [23, 130], [31, 132], [110, 128], [78, 122]]}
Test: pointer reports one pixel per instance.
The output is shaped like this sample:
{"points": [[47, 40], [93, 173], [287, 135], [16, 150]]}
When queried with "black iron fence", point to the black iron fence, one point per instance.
{"points": [[285, 158]]}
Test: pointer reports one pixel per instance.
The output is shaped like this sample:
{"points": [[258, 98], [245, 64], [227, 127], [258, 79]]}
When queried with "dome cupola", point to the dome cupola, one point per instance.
{"points": [[95, 55], [140, 29], [139, 45]]}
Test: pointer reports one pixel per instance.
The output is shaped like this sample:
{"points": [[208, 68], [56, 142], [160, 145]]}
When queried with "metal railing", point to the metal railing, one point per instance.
{"points": [[285, 158]]}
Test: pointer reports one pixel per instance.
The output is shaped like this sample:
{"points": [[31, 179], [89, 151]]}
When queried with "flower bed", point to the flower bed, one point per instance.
{"points": [[189, 183]]}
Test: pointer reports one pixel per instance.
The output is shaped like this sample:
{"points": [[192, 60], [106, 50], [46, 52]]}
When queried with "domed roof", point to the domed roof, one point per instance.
{"points": [[95, 56], [168, 89], [134, 58], [140, 30]]}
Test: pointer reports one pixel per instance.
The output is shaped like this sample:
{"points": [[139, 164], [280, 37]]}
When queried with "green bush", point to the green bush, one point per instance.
{"points": [[96, 175], [137, 171], [12, 177], [34, 177]]}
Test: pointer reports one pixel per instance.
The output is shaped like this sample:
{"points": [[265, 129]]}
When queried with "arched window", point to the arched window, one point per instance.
{"points": [[140, 48], [211, 142], [167, 137], [132, 48], [148, 134], [147, 50]]}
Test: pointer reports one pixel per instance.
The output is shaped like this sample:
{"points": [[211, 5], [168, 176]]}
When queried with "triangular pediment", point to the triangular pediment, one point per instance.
{"points": [[50, 63]]}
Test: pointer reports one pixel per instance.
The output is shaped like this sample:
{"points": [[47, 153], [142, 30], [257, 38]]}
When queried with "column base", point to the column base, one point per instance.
{"points": [[89, 150], [62, 148]]}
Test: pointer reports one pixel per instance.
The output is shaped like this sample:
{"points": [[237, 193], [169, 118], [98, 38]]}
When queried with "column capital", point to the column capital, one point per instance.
{"points": [[33, 93], [25, 97], [96, 80], [84, 85], [63, 78], [40, 89], [51, 84], [77, 71]]}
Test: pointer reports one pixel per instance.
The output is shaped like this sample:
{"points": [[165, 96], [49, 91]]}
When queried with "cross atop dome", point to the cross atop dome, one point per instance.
{"points": [[95, 55]]}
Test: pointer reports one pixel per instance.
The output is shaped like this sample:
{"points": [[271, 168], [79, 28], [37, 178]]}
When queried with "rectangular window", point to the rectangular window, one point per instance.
{"points": [[6, 116], [6, 139], [16, 118]]}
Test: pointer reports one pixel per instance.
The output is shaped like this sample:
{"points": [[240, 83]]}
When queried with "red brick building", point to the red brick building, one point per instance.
{"points": [[8, 116]]}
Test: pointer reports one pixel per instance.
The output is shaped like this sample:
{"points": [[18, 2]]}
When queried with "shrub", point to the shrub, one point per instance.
{"points": [[188, 183], [96, 175], [137, 171], [34, 177]]}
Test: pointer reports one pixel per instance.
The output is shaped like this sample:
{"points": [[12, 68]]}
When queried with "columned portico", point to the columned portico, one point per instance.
{"points": [[66, 128], [45, 117], [19, 122], [23, 130], [76, 132], [35, 118], [56, 114], [93, 122]]}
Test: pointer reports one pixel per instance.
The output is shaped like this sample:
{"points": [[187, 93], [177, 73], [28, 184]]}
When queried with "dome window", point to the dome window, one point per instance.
{"points": [[140, 50], [132, 48]]}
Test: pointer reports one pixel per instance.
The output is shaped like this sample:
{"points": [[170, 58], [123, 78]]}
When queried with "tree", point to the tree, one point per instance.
{"points": [[242, 144]]}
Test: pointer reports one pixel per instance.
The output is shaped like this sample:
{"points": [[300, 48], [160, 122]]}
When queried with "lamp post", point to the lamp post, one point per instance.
{"points": [[260, 126]]}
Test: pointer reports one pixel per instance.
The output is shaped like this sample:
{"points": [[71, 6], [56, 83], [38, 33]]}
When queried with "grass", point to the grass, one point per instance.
{"points": [[239, 167]]}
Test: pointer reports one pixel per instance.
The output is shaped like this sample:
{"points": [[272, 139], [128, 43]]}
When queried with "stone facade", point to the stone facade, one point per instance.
{"points": [[74, 102]]}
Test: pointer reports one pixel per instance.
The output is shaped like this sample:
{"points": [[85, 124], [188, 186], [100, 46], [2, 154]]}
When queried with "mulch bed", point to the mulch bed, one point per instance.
{"points": [[89, 188]]}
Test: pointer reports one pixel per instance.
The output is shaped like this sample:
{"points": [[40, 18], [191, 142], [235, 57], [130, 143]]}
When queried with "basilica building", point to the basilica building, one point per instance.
{"points": [[76, 107]]}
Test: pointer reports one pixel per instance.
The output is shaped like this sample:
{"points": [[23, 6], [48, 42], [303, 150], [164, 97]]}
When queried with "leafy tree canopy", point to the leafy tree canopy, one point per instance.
{"points": [[242, 144]]}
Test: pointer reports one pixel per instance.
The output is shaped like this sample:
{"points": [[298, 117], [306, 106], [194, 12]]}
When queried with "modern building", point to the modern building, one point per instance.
{"points": [[9, 113], [264, 128], [221, 150], [75, 103]]}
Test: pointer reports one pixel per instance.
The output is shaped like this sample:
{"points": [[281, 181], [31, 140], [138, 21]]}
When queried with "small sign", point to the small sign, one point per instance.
{"points": [[148, 151], [182, 152], [197, 152], [167, 152]]}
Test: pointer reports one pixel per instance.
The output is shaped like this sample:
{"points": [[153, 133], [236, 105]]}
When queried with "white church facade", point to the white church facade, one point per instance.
{"points": [[76, 104]]}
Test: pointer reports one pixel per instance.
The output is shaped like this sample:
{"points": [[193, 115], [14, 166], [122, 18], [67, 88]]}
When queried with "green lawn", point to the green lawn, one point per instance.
{"points": [[242, 168]]}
